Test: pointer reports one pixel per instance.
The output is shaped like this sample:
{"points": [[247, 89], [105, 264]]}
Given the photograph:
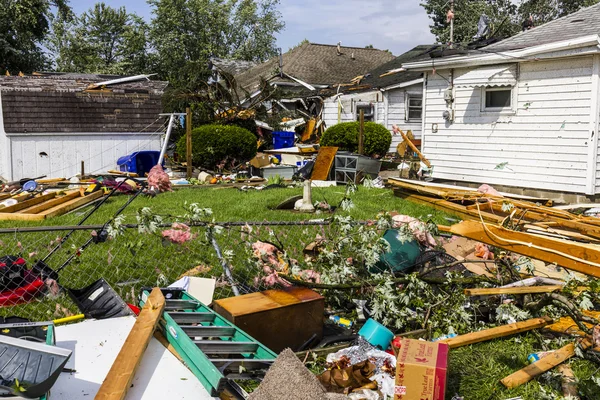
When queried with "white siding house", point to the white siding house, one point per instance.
{"points": [[523, 112], [385, 106]]}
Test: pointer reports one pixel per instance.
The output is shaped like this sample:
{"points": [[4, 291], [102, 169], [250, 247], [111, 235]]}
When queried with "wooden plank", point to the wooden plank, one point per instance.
{"points": [[542, 365], [497, 332], [119, 378], [29, 203], [575, 256], [323, 163], [512, 290], [50, 180], [20, 217], [51, 203], [71, 205], [566, 325]]}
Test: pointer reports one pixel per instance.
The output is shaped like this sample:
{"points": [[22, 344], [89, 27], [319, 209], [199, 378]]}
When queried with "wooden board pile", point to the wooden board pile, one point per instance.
{"points": [[36, 207]]}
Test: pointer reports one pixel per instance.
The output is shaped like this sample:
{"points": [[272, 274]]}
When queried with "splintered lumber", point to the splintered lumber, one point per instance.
{"points": [[323, 163], [449, 207], [543, 365], [512, 290], [497, 332], [575, 256], [411, 145], [119, 378], [566, 325], [568, 381]]}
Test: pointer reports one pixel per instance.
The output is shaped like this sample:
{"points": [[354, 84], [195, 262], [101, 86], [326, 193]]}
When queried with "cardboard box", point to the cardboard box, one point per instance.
{"points": [[261, 160], [421, 370]]}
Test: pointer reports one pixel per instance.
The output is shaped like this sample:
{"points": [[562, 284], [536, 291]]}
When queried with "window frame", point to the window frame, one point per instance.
{"points": [[511, 109], [364, 104], [408, 107]]}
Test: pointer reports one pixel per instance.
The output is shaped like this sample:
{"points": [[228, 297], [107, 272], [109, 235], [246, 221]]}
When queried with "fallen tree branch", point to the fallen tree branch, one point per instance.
{"points": [[351, 286], [563, 302]]}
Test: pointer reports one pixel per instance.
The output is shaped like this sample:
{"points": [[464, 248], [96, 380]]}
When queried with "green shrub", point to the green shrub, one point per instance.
{"points": [[345, 136], [213, 145]]}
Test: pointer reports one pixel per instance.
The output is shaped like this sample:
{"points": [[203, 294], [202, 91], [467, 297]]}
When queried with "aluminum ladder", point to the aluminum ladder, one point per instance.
{"points": [[214, 349]]}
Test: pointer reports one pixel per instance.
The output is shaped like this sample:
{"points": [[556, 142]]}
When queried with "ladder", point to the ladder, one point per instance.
{"points": [[214, 349]]}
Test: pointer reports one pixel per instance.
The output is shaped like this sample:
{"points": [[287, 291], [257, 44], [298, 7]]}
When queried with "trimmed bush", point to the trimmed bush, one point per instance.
{"points": [[216, 144], [345, 136]]}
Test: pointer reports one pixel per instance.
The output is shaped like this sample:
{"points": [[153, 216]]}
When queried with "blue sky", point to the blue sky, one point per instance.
{"points": [[395, 25]]}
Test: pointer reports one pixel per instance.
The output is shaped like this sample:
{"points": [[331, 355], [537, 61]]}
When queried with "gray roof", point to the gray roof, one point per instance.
{"points": [[60, 103], [317, 64], [230, 66], [581, 23]]}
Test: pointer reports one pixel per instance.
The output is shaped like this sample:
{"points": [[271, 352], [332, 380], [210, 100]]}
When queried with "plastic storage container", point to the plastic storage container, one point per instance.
{"points": [[283, 139], [376, 334], [284, 171], [139, 162]]}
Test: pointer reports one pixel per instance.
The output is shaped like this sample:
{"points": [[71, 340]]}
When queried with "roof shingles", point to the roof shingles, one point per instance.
{"points": [[317, 64]]}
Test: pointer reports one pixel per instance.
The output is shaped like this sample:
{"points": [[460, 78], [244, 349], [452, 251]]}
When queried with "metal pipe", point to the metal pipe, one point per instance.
{"points": [[224, 263], [166, 143]]}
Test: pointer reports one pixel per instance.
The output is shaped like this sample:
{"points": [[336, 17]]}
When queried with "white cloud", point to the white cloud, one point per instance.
{"points": [[397, 25]]}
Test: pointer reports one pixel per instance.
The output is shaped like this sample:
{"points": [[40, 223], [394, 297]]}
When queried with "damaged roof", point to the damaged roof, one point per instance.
{"points": [[59, 102], [233, 67], [580, 23], [317, 64]]}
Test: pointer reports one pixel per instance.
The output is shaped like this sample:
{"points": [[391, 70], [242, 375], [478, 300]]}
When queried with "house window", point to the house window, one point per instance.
{"points": [[368, 111], [497, 98], [414, 107]]}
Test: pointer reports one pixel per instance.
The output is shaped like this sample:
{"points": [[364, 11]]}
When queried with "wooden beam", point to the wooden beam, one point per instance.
{"points": [[51, 203], [20, 217], [566, 325], [497, 332], [575, 256], [71, 205], [361, 132], [542, 365], [512, 290], [188, 142], [29, 203], [411, 145], [119, 378]]}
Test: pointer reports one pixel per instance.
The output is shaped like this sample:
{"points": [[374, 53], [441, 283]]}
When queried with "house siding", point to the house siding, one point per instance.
{"points": [[544, 143], [65, 152], [393, 115]]}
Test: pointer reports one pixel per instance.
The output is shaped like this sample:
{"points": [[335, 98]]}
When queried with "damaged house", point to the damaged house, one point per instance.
{"points": [[50, 123], [388, 95], [304, 70], [521, 112]]}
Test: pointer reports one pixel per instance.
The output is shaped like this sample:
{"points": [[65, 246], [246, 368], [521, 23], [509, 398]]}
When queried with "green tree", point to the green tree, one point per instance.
{"points": [[502, 15], [544, 11], [24, 25], [185, 34], [101, 40]]}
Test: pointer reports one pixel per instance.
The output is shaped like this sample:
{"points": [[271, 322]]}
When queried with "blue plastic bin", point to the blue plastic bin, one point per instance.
{"points": [[282, 139], [139, 162]]}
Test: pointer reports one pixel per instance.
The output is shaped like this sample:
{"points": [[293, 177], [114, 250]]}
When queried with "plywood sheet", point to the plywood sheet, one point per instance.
{"points": [[323, 163]]}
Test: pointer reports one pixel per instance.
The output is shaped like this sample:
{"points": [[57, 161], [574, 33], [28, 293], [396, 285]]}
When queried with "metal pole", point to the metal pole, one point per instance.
{"points": [[224, 263], [166, 143]]}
